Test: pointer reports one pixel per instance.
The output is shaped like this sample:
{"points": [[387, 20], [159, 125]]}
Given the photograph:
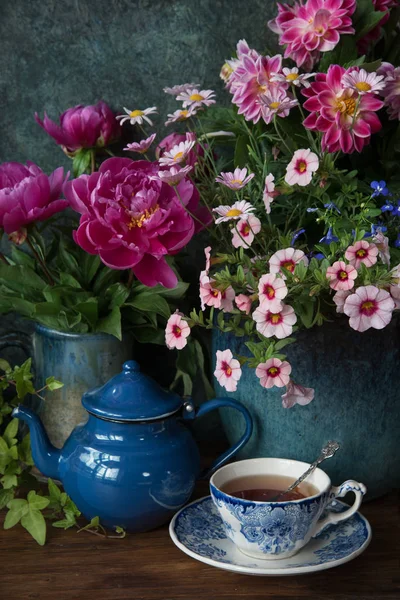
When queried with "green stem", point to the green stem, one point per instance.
{"points": [[40, 261], [280, 135], [130, 279], [3, 258], [188, 211]]}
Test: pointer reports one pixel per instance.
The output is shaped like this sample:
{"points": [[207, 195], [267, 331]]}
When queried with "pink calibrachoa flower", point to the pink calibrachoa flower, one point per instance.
{"points": [[243, 303], [313, 27], [227, 370], [243, 232], [346, 119], [227, 298], [297, 394], [174, 175], [180, 115], [382, 243], [269, 193], [340, 298], [142, 146], [369, 307], [363, 82], [207, 252], [391, 91], [287, 259], [131, 219], [341, 276], [176, 332], [292, 77], [196, 98], [28, 195], [236, 180], [175, 90], [178, 154], [271, 291], [274, 372], [301, 168], [137, 116], [362, 252], [276, 101], [82, 127], [395, 293], [239, 210], [279, 323], [209, 296]]}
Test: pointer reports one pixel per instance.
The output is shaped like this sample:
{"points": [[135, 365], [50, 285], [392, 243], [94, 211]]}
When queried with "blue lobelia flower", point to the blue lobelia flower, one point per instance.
{"points": [[397, 242], [378, 228], [328, 237], [311, 209], [380, 188], [296, 235], [332, 206], [387, 208], [317, 255]]}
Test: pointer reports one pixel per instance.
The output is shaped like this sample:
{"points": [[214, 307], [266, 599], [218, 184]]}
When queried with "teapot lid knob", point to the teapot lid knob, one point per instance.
{"points": [[131, 366]]}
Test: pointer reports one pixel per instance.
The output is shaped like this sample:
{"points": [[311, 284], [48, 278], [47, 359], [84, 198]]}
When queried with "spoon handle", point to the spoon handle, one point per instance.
{"points": [[327, 452]]}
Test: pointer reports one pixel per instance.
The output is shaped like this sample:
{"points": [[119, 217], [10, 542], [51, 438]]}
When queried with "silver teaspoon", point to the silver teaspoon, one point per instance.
{"points": [[327, 452]]}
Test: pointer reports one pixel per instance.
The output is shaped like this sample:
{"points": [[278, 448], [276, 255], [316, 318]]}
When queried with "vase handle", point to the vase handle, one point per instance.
{"points": [[225, 456], [358, 489]]}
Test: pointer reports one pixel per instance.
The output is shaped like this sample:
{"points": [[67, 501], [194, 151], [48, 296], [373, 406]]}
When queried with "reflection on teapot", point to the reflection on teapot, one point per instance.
{"points": [[134, 462]]}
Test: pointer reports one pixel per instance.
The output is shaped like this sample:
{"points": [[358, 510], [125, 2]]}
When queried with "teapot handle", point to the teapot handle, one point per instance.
{"points": [[223, 403]]}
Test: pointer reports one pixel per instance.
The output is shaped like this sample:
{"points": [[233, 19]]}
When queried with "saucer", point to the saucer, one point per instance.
{"points": [[198, 531]]}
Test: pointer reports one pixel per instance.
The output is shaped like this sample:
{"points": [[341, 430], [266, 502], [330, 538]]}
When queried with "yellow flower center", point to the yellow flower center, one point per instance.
{"points": [[228, 371], [178, 156], [139, 221], [246, 229], [288, 265], [136, 113], [238, 181], [347, 106], [196, 98], [302, 166], [363, 86], [343, 275], [368, 307], [274, 105], [361, 253], [275, 319], [177, 330], [269, 291], [183, 115], [292, 77], [273, 371], [233, 212]]}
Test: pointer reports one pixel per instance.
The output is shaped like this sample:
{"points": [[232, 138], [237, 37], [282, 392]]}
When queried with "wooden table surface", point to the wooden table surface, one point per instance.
{"points": [[149, 567]]}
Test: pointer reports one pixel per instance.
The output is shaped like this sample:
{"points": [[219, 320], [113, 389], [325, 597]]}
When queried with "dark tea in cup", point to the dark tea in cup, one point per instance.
{"points": [[262, 488]]}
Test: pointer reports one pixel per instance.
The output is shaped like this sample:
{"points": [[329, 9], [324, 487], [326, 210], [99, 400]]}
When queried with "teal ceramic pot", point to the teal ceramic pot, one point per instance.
{"points": [[81, 362], [356, 377]]}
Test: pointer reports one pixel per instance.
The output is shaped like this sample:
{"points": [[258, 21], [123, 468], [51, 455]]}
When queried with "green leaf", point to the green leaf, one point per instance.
{"points": [[5, 497], [343, 53], [22, 258], [120, 530], [89, 310], [24, 450], [10, 432], [148, 335], [355, 63], [241, 151], [94, 524], [21, 275], [111, 323], [68, 279], [37, 502], [68, 260], [35, 524], [54, 491], [365, 18], [81, 162], [149, 302], [118, 294], [91, 263], [64, 523], [175, 293], [53, 384], [4, 365], [18, 508], [373, 212]]}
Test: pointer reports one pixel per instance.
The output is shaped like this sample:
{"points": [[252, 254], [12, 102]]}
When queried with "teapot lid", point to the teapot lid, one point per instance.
{"points": [[131, 396]]}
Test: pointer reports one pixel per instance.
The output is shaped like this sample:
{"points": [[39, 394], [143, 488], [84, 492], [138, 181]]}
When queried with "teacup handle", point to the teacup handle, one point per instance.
{"points": [[350, 485], [222, 403]]}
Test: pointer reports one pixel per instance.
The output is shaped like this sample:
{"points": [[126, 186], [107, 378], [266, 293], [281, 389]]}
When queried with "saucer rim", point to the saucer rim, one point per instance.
{"points": [[270, 571]]}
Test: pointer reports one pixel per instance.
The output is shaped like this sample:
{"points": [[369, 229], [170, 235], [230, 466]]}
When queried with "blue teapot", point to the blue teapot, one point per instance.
{"points": [[134, 462]]}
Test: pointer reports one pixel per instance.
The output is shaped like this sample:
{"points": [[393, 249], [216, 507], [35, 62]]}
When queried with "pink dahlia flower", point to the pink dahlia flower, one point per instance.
{"points": [[176, 332], [362, 252], [286, 259], [391, 91], [271, 290], [244, 231], [174, 139], [227, 370], [369, 307], [274, 372], [235, 69], [28, 195], [346, 119], [301, 168], [297, 394], [131, 219], [82, 127], [311, 28], [341, 276], [243, 303], [279, 323]]}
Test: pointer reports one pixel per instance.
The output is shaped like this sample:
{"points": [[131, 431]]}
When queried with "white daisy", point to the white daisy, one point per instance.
{"points": [[137, 116], [181, 115], [363, 82], [293, 77], [179, 89], [177, 155], [196, 99], [238, 210]]}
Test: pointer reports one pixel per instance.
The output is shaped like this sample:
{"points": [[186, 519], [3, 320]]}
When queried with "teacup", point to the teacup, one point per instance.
{"points": [[275, 530]]}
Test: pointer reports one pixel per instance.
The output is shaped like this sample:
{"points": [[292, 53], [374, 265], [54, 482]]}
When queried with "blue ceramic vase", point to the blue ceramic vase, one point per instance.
{"points": [[134, 462], [356, 377]]}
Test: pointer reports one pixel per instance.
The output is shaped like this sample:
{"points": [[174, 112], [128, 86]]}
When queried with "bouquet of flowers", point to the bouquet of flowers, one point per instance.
{"points": [[301, 175]]}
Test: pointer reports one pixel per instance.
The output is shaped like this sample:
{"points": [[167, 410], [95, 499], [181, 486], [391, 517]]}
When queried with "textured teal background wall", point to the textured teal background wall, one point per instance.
{"points": [[58, 53]]}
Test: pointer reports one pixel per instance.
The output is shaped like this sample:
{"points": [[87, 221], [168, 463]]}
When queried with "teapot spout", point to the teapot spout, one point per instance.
{"points": [[45, 456]]}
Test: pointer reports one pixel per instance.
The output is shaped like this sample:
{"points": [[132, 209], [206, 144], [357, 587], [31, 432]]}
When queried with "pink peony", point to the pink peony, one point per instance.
{"points": [[131, 219], [286, 259], [274, 372], [174, 139], [279, 323], [311, 28], [301, 168], [341, 276], [227, 370], [28, 195], [346, 119], [369, 307], [243, 232], [296, 394], [362, 252], [176, 332], [243, 303], [82, 127]]}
